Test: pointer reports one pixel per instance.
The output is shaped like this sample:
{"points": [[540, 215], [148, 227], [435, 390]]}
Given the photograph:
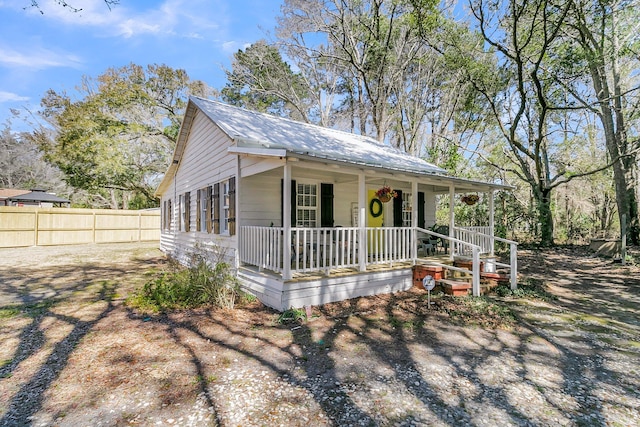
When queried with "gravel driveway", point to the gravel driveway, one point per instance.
{"points": [[74, 354]]}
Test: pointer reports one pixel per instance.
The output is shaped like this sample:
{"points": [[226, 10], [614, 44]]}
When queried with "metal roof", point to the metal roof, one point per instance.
{"points": [[259, 130], [38, 196], [258, 133]]}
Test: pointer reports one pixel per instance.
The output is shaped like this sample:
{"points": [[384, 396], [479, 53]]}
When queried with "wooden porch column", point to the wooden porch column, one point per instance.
{"points": [[286, 222], [452, 194], [239, 234], [362, 222], [414, 220], [492, 220]]}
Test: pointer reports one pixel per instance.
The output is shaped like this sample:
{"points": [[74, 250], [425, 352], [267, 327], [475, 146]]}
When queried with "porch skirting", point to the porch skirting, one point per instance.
{"points": [[281, 295]]}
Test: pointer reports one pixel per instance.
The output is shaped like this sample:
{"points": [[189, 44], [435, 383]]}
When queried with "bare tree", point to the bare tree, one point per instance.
{"points": [[605, 32], [22, 164], [65, 4]]}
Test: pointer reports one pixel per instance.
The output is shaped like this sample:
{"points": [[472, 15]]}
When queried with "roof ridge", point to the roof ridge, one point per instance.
{"points": [[269, 116]]}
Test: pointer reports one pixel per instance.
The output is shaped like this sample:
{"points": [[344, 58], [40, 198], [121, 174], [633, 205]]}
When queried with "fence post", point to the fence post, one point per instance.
{"points": [[35, 227], [140, 226], [94, 225]]}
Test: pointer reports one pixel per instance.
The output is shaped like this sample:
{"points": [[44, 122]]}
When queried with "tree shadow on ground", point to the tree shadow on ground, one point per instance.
{"points": [[29, 398], [387, 360]]}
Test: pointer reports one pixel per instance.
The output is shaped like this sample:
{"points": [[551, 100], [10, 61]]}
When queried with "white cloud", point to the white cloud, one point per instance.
{"points": [[37, 58], [182, 18], [233, 46], [11, 97]]}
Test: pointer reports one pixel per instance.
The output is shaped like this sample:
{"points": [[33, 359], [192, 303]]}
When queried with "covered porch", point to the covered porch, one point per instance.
{"points": [[331, 252], [319, 223]]}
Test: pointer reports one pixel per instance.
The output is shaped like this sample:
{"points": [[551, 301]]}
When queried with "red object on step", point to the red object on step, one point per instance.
{"points": [[467, 264], [420, 271]]}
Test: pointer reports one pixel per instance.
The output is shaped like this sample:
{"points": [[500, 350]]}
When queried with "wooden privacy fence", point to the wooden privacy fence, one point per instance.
{"points": [[27, 226]]}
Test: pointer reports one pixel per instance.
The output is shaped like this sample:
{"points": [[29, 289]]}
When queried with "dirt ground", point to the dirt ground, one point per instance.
{"points": [[73, 353]]}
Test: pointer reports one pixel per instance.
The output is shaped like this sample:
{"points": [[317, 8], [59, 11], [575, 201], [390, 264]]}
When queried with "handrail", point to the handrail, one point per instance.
{"points": [[499, 239], [513, 256], [444, 236], [475, 257]]}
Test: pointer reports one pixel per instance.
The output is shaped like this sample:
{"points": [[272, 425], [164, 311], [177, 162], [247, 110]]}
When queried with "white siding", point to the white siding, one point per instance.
{"points": [[430, 208], [343, 197], [260, 200], [205, 161], [275, 293]]}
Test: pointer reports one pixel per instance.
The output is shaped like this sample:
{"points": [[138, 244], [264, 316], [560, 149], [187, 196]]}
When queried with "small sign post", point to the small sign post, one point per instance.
{"points": [[428, 283]]}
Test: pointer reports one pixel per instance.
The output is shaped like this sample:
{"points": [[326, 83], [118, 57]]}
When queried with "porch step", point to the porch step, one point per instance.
{"points": [[455, 287], [491, 280]]}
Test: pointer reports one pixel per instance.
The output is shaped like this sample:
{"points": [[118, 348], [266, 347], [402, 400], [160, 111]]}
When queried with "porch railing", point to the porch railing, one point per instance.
{"points": [[386, 245], [262, 247], [466, 247], [328, 248], [323, 248], [480, 236], [487, 243]]}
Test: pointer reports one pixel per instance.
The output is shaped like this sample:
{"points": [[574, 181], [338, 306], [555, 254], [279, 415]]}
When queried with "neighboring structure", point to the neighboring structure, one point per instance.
{"points": [[34, 197], [6, 193], [294, 208]]}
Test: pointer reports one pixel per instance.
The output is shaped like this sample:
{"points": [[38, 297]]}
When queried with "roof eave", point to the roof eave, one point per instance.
{"points": [[185, 128]]}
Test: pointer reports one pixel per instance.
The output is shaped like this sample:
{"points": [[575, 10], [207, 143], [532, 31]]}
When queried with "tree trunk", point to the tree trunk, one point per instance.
{"points": [[627, 202], [545, 216], [613, 120]]}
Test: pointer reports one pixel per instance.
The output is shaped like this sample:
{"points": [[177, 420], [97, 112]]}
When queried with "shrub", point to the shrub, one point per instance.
{"points": [[531, 288], [202, 283], [298, 315]]}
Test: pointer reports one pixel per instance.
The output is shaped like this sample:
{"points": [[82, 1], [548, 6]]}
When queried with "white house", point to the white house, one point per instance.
{"points": [[294, 208]]}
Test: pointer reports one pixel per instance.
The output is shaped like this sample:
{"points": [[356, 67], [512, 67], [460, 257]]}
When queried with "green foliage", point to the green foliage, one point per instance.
{"points": [[247, 298], [9, 312], [481, 311], [297, 315], [203, 283], [116, 140], [261, 80], [530, 289]]}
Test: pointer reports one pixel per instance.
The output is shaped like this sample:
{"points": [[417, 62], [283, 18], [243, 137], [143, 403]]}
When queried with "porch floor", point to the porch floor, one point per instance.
{"points": [[317, 275]]}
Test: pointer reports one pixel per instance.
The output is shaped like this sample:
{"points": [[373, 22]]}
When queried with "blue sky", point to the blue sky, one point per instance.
{"points": [[54, 49]]}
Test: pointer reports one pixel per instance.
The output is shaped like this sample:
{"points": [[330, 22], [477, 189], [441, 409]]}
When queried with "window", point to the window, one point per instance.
{"points": [[406, 209], [224, 207], [169, 214], [202, 206], [307, 205], [222, 201]]}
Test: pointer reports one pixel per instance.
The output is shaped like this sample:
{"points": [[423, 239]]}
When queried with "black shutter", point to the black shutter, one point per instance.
{"points": [[326, 205], [232, 206], [421, 222], [294, 202], [397, 209], [198, 204]]}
